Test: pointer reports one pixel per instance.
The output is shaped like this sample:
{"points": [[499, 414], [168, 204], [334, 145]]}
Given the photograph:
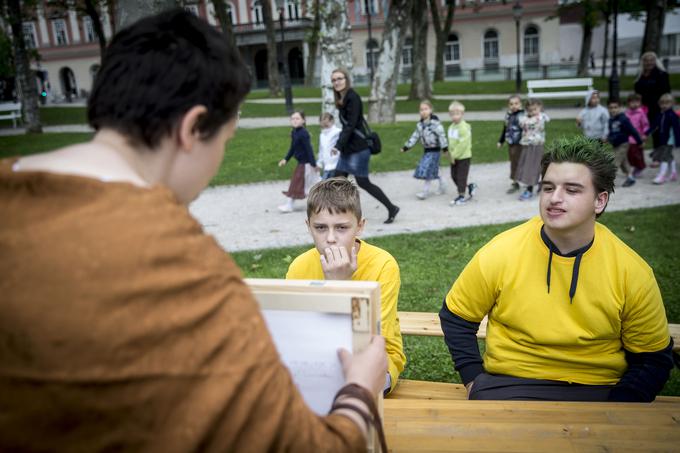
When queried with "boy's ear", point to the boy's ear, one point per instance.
{"points": [[360, 226], [188, 133], [601, 202]]}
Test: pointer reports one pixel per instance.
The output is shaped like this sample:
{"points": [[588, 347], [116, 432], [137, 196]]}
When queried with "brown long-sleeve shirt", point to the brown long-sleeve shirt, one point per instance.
{"points": [[124, 327]]}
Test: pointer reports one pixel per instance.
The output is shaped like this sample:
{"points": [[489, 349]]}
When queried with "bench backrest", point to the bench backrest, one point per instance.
{"points": [[584, 86], [10, 107], [424, 323]]}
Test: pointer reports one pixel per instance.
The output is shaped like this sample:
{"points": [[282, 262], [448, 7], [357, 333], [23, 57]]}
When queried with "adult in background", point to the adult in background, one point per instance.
{"points": [[124, 326], [354, 152], [651, 83], [555, 332]]}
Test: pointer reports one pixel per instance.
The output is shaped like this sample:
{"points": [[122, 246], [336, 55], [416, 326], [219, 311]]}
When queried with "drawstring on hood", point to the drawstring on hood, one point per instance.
{"points": [[577, 254]]}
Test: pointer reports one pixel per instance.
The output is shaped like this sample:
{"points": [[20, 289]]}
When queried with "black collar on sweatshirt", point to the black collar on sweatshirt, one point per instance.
{"points": [[577, 254]]}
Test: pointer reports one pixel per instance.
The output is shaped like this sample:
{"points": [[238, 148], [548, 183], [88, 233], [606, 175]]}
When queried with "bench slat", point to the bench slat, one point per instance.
{"points": [[559, 83], [425, 323]]}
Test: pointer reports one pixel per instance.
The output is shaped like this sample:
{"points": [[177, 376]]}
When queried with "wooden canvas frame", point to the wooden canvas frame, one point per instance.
{"points": [[361, 300]]}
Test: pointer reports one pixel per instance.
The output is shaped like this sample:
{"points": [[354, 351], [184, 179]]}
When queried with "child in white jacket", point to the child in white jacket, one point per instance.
{"points": [[327, 140]]}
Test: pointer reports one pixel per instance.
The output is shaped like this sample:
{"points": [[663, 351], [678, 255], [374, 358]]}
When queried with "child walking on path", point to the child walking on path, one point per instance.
{"points": [[512, 133], [301, 149], [620, 130], [532, 141], [328, 137], [430, 132], [638, 118], [460, 152], [593, 118], [668, 127]]}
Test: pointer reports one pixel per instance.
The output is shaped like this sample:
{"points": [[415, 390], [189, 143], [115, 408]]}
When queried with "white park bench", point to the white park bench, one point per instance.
{"points": [[10, 111], [555, 88]]}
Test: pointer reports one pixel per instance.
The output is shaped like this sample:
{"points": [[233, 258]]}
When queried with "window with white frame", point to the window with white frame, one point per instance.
{"points": [[372, 52], [531, 43], [670, 45], [231, 13], [30, 36], [60, 34], [452, 49], [407, 52], [369, 4], [293, 10], [193, 9], [258, 18], [491, 46], [88, 29]]}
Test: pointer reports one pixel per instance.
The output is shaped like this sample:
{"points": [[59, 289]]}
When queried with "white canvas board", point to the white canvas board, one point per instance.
{"points": [[308, 343]]}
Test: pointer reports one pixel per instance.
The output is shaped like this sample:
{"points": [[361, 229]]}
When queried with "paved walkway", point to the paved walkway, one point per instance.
{"points": [[246, 217]]}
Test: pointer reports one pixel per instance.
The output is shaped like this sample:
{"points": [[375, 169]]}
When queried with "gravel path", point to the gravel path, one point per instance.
{"points": [[246, 217]]}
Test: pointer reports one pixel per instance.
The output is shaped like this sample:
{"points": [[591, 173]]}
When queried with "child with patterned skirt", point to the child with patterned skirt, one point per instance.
{"points": [[532, 141], [430, 132]]}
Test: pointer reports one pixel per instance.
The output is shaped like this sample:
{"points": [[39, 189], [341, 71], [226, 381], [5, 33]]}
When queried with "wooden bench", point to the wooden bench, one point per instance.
{"points": [[584, 85], [10, 111], [450, 425], [424, 323]]}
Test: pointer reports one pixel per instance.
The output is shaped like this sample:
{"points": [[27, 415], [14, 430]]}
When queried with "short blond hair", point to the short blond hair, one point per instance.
{"points": [[455, 105], [666, 97], [335, 195]]}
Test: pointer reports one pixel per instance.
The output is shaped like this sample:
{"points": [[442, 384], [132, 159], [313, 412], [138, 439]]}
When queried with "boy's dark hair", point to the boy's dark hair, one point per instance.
{"points": [[611, 101], [158, 68], [634, 97], [589, 152], [336, 195]]}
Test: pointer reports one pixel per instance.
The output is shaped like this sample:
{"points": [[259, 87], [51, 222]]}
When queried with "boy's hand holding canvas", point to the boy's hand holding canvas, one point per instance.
{"points": [[335, 222]]}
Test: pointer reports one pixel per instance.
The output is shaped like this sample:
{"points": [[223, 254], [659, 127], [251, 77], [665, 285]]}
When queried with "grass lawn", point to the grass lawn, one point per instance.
{"points": [[463, 87], [655, 237], [253, 154]]}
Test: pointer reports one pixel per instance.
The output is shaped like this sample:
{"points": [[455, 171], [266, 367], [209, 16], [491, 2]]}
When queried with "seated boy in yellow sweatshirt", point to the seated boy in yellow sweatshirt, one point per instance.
{"points": [[334, 220]]}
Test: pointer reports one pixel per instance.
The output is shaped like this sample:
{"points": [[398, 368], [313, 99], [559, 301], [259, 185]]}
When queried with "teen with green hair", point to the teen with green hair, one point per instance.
{"points": [[574, 313]]}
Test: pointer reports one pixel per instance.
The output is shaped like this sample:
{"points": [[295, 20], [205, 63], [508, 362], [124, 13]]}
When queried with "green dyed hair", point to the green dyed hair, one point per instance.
{"points": [[582, 150]]}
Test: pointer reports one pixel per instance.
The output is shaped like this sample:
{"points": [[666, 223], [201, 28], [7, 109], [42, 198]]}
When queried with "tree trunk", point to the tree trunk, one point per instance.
{"points": [[606, 40], [384, 88], [272, 53], [91, 10], [225, 22], [312, 43], [24, 74], [420, 80], [582, 70], [441, 33], [656, 16], [130, 11], [336, 47]]}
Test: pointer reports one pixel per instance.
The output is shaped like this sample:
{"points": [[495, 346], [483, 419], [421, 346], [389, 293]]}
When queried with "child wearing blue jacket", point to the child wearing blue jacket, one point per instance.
{"points": [[668, 126], [301, 149], [620, 129]]}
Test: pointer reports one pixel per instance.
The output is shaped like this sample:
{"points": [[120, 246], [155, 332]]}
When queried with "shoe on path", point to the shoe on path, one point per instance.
{"points": [[674, 177], [628, 182], [513, 188], [392, 215], [526, 195], [285, 209], [472, 188], [422, 195], [459, 200], [659, 180]]}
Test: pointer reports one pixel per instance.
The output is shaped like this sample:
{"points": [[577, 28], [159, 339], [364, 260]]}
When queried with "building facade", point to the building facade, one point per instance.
{"points": [[482, 41]]}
